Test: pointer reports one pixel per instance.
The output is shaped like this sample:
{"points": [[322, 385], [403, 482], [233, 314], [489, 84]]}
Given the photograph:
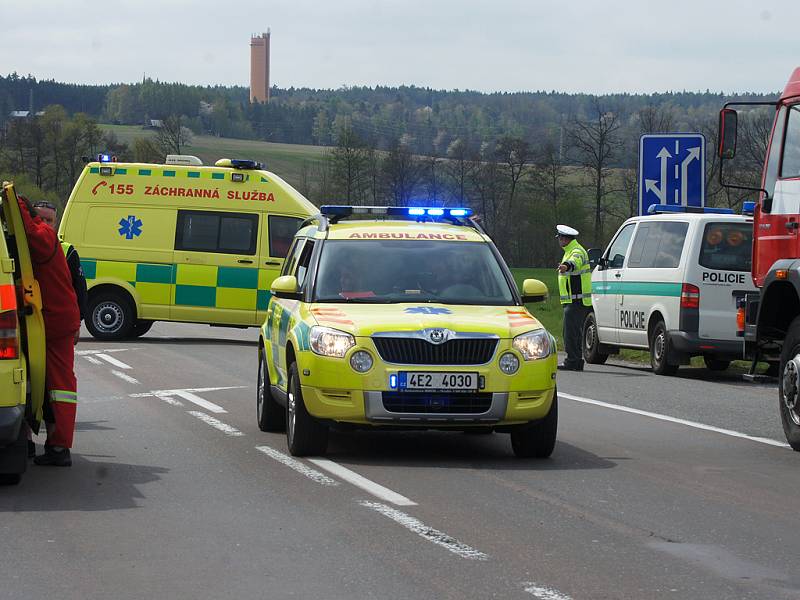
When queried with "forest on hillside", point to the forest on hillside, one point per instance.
{"points": [[523, 160]]}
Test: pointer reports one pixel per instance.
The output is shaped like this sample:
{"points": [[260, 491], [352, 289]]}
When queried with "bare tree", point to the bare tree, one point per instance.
{"points": [[401, 174], [550, 174], [348, 163], [459, 168], [596, 144], [173, 136]]}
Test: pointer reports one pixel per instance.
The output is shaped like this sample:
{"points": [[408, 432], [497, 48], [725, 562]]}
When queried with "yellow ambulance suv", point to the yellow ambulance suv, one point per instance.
{"points": [[179, 241], [405, 318]]}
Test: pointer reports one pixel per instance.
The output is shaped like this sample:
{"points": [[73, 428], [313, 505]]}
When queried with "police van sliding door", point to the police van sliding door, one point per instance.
{"points": [[723, 275], [216, 277], [277, 233], [606, 283]]}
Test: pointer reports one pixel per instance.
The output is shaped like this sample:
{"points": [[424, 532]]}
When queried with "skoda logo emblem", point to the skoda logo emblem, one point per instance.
{"points": [[437, 336]]}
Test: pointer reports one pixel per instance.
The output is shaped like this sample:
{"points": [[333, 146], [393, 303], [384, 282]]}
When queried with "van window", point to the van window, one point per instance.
{"points": [[281, 233], [224, 233], [658, 245], [791, 144], [727, 246], [619, 248]]}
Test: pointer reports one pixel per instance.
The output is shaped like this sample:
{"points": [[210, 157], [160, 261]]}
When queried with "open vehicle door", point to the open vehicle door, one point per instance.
{"points": [[29, 302]]}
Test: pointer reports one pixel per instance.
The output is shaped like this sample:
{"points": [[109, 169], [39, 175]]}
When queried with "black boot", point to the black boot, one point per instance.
{"points": [[31, 449], [53, 457]]}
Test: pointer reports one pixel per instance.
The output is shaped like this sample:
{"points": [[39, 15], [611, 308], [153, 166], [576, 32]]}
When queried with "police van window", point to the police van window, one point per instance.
{"points": [[791, 144], [727, 246], [618, 249], [774, 159], [224, 233], [658, 245], [303, 262], [281, 233]]}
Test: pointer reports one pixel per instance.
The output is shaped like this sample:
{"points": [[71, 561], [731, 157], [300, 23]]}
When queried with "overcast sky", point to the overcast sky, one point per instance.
{"points": [[508, 45]]}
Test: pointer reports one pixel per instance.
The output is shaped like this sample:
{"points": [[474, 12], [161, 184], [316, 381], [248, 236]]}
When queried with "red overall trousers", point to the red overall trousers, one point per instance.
{"points": [[62, 390]]}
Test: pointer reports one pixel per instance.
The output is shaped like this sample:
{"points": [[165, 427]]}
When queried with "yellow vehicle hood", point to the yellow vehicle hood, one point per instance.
{"points": [[366, 319]]}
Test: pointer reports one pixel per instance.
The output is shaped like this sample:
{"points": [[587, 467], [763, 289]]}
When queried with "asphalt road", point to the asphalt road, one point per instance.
{"points": [[675, 487]]}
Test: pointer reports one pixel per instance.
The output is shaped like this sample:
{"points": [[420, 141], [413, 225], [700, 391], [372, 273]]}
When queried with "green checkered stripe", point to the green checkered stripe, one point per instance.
{"points": [[176, 173], [208, 286]]}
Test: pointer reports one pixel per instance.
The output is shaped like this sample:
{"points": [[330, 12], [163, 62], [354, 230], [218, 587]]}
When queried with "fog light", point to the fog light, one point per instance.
{"points": [[361, 361], [509, 363]]}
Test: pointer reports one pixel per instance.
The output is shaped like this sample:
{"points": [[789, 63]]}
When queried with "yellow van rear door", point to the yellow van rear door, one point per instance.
{"points": [[217, 274]]}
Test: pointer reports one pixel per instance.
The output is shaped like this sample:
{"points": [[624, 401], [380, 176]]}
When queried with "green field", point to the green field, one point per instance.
{"points": [[286, 160]]}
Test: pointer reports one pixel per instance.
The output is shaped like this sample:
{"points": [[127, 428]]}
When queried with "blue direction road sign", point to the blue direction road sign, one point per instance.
{"points": [[672, 170]]}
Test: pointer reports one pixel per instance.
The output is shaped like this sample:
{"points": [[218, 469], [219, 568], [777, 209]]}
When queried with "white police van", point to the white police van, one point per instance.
{"points": [[668, 283]]}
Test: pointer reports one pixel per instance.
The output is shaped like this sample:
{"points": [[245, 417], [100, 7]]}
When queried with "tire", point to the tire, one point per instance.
{"points": [[140, 328], [789, 385], [716, 364], [659, 351], [537, 438], [271, 415], [305, 435], [111, 316], [591, 343]]}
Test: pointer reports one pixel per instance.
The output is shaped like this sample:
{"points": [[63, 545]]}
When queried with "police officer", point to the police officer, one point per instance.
{"points": [[575, 289]]}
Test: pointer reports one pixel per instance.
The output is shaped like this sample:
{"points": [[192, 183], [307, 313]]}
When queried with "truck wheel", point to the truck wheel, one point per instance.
{"points": [[140, 328], [537, 438], [591, 342], [789, 385], [270, 414], [716, 364], [659, 351], [305, 435], [110, 316]]}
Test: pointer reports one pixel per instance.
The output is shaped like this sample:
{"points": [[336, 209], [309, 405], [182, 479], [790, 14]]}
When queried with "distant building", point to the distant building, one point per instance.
{"points": [[19, 114], [259, 68]]}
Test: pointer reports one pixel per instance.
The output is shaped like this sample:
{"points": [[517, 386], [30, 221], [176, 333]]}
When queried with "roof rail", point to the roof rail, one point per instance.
{"points": [[677, 208], [317, 218]]}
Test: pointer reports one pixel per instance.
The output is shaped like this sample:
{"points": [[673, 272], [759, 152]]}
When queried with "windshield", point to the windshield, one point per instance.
{"points": [[383, 271]]}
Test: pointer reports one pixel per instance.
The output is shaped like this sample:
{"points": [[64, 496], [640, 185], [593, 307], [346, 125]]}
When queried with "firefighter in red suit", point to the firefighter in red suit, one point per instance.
{"points": [[61, 322]]}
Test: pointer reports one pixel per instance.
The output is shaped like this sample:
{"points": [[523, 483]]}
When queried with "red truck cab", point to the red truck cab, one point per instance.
{"points": [[770, 319]]}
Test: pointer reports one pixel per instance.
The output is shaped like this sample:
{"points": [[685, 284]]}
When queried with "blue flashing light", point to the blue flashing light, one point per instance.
{"points": [[333, 210], [104, 158], [458, 212], [435, 212], [417, 212], [393, 381], [749, 208], [674, 208]]}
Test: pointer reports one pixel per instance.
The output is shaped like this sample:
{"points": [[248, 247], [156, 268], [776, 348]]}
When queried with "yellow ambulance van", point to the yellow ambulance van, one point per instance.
{"points": [[179, 241]]}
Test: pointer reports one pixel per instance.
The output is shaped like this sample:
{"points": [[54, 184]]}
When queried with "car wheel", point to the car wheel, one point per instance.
{"points": [[716, 364], [659, 351], [537, 438], [111, 316], [789, 385], [270, 414], [305, 435], [140, 328], [591, 343]]}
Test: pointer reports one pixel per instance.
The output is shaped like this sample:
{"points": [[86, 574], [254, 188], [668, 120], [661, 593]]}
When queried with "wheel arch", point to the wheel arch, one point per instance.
{"points": [[655, 316], [780, 304], [125, 288]]}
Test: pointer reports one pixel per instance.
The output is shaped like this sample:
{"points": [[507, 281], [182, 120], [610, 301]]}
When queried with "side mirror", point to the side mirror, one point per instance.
{"points": [[285, 287], [728, 121], [595, 254], [533, 290], [602, 263]]}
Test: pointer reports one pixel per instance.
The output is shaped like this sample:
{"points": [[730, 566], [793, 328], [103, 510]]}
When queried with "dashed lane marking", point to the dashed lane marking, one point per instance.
{"points": [[429, 533], [660, 417], [216, 423], [201, 402], [125, 377], [93, 360], [362, 482], [113, 361], [298, 466], [190, 395], [543, 592]]}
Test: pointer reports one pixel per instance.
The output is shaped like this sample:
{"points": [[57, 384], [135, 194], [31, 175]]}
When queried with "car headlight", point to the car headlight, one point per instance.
{"points": [[533, 345], [330, 342], [361, 361]]}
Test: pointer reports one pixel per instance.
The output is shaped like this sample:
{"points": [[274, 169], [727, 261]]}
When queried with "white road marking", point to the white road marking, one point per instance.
{"points": [[93, 360], [660, 417], [298, 466], [362, 482], [125, 376], [170, 400], [195, 399], [188, 394], [543, 592], [422, 530], [216, 423], [113, 361], [172, 392], [105, 350]]}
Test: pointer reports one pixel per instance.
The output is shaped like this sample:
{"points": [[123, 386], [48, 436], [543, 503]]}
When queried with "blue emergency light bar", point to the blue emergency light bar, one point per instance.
{"points": [[749, 208], [674, 208], [105, 158], [330, 210]]}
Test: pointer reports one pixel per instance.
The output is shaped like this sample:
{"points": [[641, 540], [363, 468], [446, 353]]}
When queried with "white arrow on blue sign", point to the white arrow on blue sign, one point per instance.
{"points": [[672, 170]]}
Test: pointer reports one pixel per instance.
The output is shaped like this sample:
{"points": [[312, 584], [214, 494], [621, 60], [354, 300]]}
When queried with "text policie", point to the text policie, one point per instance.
{"points": [[632, 319]]}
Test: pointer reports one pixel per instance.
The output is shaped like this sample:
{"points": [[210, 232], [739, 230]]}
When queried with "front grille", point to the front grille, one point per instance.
{"points": [[433, 403], [413, 351]]}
